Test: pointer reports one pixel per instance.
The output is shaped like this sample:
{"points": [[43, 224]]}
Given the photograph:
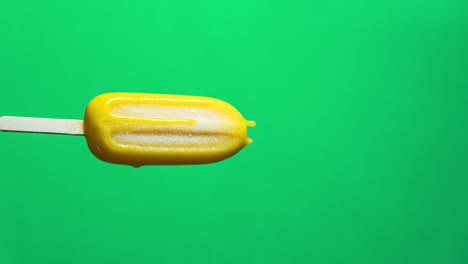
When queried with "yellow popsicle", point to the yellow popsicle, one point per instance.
{"points": [[150, 129], [143, 129]]}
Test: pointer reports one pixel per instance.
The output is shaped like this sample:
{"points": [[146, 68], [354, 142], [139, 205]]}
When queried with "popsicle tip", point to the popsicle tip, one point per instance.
{"points": [[250, 123]]}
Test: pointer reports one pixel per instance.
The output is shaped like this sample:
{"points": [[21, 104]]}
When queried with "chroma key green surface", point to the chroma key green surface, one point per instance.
{"points": [[360, 153]]}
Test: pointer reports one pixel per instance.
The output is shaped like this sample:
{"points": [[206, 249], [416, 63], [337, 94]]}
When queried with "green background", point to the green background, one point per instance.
{"points": [[359, 155]]}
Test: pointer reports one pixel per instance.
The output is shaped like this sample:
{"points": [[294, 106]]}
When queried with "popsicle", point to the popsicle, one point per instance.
{"points": [[150, 129]]}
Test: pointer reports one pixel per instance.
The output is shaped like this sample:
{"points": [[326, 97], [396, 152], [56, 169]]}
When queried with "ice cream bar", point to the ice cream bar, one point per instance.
{"points": [[150, 129]]}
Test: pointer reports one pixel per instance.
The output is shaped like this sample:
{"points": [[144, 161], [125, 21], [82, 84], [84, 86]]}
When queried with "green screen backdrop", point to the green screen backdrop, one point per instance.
{"points": [[360, 153]]}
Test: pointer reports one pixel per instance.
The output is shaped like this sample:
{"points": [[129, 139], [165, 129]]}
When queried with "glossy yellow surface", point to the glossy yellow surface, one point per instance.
{"points": [[152, 129]]}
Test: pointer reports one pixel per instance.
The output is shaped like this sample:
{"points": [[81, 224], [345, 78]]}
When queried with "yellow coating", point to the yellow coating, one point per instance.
{"points": [[154, 129]]}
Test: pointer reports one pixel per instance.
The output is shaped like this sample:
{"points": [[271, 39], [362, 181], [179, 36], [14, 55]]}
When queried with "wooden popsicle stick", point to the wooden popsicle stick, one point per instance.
{"points": [[41, 125]]}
